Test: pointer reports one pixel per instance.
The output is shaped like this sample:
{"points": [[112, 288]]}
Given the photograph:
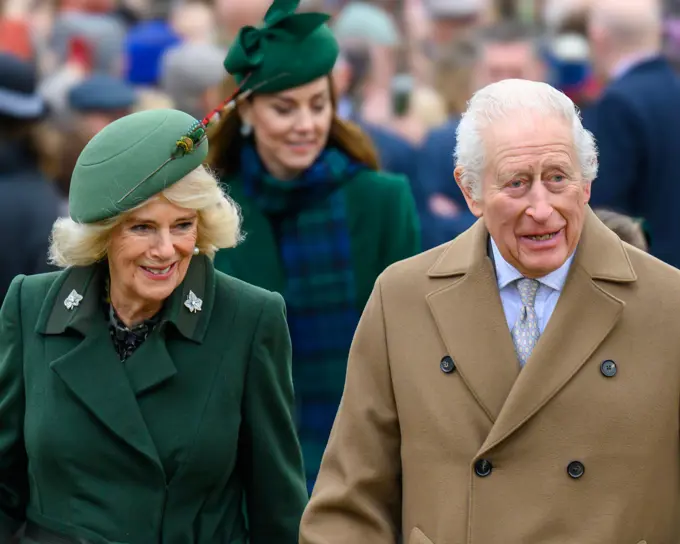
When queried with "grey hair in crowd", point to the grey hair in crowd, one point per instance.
{"points": [[511, 96]]}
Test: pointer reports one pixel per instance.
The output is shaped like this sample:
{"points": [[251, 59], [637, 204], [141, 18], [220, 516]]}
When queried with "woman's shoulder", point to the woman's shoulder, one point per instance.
{"points": [[35, 287], [380, 182], [379, 191], [245, 294]]}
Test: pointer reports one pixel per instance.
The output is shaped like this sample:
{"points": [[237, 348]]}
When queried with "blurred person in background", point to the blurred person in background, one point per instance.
{"points": [[145, 45], [568, 51], [194, 21], [232, 15], [505, 50], [191, 75], [628, 229], [93, 104], [146, 397], [29, 201], [396, 154], [86, 37], [363, 26], [150, 98], [321, 221], [636, 120]]}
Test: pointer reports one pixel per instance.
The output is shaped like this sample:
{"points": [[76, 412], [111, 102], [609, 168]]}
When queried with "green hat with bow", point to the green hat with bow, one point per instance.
{"points": [[288, 50], [133, 159]]}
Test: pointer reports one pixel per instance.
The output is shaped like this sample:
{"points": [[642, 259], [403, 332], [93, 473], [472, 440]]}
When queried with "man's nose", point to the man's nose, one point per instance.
{"points": [[540, 208]]}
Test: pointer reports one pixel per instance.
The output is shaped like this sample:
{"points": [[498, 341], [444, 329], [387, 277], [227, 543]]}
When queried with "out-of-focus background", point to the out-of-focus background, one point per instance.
{"points": [[407, 68]]}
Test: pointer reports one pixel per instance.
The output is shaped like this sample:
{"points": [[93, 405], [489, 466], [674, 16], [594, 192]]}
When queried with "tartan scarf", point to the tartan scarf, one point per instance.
{"points": [[308, 219]]}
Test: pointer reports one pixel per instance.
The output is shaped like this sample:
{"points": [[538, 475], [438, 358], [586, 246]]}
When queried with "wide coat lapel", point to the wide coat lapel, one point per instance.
{"points": [[86, 362], [585, 314], [468, 312]]}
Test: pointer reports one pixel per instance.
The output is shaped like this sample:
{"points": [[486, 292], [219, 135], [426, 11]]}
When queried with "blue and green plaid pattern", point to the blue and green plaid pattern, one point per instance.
{"points": [[308, 218]]}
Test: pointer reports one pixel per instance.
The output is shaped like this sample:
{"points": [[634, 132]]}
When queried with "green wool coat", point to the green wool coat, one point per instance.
{"points": [[177, 445], [383, 228]]}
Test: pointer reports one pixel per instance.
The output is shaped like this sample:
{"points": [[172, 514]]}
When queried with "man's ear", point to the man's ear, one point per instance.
{"points": [[473, 204]]}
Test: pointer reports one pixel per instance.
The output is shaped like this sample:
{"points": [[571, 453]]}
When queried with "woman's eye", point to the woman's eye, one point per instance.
{"points": [[186, 225], [140, 228], [515, 183], [282, 111]]}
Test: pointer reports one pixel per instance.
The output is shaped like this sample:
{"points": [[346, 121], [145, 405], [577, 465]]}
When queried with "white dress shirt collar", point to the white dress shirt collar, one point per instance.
{"points": [[506, 273]]}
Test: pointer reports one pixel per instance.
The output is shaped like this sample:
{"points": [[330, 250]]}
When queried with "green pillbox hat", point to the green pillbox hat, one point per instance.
{"points": [[133, 159], [290, 49]]}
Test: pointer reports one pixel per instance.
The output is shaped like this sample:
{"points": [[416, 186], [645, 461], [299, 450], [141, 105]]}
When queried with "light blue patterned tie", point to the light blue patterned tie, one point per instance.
{"points": [[525, 333]]}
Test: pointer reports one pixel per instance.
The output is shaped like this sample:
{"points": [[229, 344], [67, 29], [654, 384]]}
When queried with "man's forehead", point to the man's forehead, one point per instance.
{"points": [[528, 133]]}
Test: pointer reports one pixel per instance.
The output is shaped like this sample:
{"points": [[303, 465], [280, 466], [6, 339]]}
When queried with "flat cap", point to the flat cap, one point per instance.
{"points": [[102, 92]]}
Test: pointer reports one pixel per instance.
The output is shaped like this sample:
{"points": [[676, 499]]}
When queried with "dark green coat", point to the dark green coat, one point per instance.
{"points": [[164, 448], [383, 227]]}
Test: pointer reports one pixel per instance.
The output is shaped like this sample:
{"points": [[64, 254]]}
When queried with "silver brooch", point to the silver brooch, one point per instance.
{"points": [[193, 303], [73, 300]]}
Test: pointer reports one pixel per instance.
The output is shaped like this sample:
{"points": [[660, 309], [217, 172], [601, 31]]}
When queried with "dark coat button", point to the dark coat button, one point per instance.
{"points": [[447, 365], [483, 468], [575, 469], [608, 368]]}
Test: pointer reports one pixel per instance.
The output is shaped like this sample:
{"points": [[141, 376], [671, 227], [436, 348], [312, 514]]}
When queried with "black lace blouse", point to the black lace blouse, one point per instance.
{"points": [[126, 339]]}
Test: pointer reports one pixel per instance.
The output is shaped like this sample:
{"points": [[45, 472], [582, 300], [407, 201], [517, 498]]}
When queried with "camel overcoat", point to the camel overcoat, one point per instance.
{"points": [[442, 439]]}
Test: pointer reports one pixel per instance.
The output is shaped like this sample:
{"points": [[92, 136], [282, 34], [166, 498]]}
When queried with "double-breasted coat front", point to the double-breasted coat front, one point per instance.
{"points": [[190, 441], [441, 438]]}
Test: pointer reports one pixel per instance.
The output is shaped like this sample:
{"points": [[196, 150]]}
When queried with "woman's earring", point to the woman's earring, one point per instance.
{"points": [[196, 250], [246, 129]]}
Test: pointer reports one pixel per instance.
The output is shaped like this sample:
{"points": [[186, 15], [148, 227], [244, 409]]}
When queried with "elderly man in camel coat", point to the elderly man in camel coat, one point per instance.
{"points": [[520, 384]]}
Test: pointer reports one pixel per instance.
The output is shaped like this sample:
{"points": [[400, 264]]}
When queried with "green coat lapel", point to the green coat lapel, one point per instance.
{"points": [[87, 362]]}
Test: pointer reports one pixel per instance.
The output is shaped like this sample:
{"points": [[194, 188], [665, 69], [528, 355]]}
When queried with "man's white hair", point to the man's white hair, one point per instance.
{"points": [[512, 96]]}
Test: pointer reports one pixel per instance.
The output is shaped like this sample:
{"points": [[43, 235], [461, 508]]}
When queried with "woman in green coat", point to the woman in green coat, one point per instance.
{"points": [[144, 396], [321, 221]]}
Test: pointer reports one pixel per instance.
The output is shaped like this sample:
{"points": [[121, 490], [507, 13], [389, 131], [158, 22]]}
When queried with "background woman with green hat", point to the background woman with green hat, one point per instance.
{"points": [[144, 396], [321, 221]]}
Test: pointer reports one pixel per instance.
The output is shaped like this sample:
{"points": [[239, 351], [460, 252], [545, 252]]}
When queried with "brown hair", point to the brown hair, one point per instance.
{"points": [[225, 138], [627, 228]]}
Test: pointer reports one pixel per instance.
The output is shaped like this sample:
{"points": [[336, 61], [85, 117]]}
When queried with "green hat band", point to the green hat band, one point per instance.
{"points": [[288, 50]]}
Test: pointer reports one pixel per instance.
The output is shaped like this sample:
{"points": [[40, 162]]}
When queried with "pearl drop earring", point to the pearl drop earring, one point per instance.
{"points": [[196, 250]]}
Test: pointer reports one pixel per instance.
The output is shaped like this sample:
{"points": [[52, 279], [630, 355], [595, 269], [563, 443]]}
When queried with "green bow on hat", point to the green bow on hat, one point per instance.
{"points": [[288, 50]]}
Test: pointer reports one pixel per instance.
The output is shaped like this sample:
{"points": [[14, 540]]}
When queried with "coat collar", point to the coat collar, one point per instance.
{"points": [[466, 305], [88, 281], [90, 367], [599, 252]]}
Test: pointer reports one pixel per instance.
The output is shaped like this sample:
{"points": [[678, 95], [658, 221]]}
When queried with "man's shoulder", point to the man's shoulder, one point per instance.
{"points": [[650, 270], [652, 81], [233, 290]]}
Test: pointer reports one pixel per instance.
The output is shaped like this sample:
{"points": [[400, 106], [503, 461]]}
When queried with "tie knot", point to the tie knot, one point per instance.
{"points": [[527, 291]]}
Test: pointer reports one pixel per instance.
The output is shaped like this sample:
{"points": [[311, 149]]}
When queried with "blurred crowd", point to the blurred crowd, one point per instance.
{"points": [[407, 68]]}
